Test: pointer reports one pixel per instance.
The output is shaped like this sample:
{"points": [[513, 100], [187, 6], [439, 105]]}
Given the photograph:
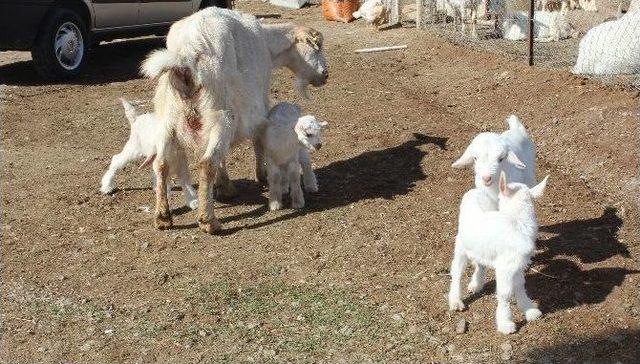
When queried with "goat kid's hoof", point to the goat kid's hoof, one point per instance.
{"points": [[107, 189], [474, 287], [507, 327], [210, 227], [456, 305], [163, 222], [533, 314], [275, 205]]}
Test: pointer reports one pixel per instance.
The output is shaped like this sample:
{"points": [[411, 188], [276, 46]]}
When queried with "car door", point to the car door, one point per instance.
{"points": [[116, 13], [164, 11]]}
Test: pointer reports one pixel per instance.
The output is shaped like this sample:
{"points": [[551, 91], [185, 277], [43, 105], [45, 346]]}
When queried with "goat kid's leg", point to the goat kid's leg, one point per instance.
{"points": [[474, 20], [274, 177], [184, 177], [118, 161], [261, 167], [162, 217], [504, 290], [224, 188], [477, 279], [457, 267], [206, 217], [295, 189], [525, 304], [308, 176]]}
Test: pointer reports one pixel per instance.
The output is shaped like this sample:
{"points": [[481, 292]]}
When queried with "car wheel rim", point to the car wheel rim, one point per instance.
{"points": [[69, 46]]}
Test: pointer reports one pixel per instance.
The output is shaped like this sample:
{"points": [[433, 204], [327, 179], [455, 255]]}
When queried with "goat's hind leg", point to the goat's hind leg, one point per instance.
{"points": [[162, 217], [457, 267], [477, 279]]}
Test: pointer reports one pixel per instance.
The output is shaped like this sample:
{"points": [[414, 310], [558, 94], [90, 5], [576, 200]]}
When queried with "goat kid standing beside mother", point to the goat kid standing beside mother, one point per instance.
{"points": [[213, 89]]}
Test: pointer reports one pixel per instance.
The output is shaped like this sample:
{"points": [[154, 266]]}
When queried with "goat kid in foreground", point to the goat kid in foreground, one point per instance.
{"points": [[503, 240]]}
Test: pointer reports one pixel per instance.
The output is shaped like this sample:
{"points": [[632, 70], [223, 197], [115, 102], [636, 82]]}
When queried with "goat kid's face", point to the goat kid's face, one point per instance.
{"points": [[309, 63], [489, 156], [512, 196], [309, 132]]}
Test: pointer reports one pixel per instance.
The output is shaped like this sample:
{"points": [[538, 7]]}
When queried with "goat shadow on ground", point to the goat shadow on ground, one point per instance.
{"points": [[591, 240], [562, 284], [619, 346], [110, 62], [385, 173]]}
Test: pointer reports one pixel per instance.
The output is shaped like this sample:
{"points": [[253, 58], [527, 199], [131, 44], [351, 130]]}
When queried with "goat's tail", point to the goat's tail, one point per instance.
{"points": [[129, 110], [515, 124], [181, 68]]}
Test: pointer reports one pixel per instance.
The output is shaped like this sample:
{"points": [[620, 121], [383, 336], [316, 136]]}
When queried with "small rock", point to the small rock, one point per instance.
{"points": [[506, 351], [397, 317], [346, 331], [461, 326], [108, 332], [87, 345], [202, 333], [146, 209]]}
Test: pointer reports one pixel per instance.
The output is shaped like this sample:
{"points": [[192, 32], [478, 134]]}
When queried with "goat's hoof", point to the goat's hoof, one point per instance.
{"points": [[193, 205], [225, 192], [107, 189], [507, 327], [297, 204], [210, 227], [311, 188], [456, 305], [533, 314], [163, 222], [275, 205]]}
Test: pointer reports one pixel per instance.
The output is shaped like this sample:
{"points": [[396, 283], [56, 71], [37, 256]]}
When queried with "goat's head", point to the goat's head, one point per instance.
{"points": [[309, 132], [489, 155], [513, 197], [307, 59]]}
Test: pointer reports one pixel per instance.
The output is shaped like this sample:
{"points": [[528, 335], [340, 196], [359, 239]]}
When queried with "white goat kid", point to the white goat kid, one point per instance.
{"points": [[142, 144], [288, 139], [213, 89], [503, 240], [490, 153], [548, 26]]}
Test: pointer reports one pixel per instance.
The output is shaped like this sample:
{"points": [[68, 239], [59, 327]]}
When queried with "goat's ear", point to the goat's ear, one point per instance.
{"points": [[513, 158], [309, 36], [502, 184], [183, 82], [538, 190], [464, 160]]}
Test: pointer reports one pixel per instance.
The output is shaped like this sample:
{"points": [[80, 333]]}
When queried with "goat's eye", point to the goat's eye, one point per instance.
{"points": [[309, 135], [500, 160]]}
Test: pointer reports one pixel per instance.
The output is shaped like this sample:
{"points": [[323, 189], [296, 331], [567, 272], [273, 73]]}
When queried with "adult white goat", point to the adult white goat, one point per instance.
{"points": [[503, 240], [548, 26], [460, 8], [490, 153], [213, 92], [611, 48]]}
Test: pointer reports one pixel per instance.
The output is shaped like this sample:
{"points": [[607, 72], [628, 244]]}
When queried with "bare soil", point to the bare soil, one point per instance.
{"points": [[359, 275]]}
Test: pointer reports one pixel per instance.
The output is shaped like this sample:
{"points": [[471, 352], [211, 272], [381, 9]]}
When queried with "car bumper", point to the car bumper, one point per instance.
{"points": [[19, 21]]}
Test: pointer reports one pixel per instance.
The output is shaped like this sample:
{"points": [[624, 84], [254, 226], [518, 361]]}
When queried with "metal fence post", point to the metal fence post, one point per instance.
{"points": [[531, 10]]}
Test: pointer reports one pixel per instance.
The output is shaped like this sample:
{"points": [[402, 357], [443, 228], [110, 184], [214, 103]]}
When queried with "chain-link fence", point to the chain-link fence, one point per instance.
{"points": [[598, 38]]}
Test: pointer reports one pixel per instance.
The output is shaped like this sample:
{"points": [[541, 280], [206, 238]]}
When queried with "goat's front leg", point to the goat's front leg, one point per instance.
{"points": [[274, 176], [525, 304], [224, 188], [504, 290], [474, 21], [457, 268], [297, 196], [206, 217], [162, 217], [118, 161], [308, 176]]}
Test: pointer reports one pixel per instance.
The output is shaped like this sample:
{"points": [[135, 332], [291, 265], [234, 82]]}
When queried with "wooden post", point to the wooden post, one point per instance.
{"points": [[419, 9], [531, 11]]}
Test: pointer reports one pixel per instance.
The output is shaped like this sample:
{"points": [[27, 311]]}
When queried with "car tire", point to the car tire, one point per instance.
{"points": [[217, 3], [61, 47]]}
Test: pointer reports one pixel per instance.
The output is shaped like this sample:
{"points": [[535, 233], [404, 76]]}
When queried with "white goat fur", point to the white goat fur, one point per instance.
{"points": [[490, 153], [142, 144], [611, 48], [503, 240], [460, 8], [549, 26], [213, 91], [373, 12], [288, 139]]}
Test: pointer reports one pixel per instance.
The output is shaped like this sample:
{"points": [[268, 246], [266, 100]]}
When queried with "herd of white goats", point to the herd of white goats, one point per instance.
{"points": [[213, 82], [612, 47]]}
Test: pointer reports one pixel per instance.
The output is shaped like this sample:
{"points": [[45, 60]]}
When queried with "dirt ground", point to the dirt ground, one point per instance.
{"points": [[359, 275]]}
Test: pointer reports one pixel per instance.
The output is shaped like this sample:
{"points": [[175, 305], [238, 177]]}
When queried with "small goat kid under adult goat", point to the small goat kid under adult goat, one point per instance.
{"points": [[213, 89], [503, 240]]}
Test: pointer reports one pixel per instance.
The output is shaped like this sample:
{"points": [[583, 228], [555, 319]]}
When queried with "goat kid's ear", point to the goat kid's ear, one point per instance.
{"points": [[464, 160], [502, 184], [538, 190], [513, 158]]}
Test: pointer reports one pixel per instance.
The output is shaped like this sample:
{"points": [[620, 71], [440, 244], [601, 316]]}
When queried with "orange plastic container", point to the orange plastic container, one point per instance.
{"points": [[339, 10]]}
